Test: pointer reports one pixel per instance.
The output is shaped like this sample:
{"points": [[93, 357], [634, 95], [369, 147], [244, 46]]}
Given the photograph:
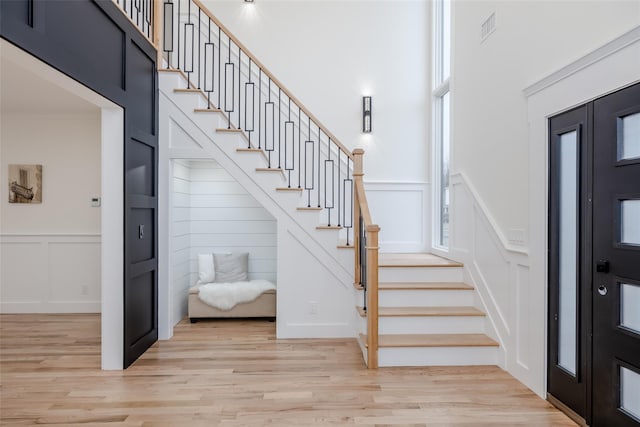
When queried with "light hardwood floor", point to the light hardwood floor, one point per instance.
{"points": [[235, 373]]}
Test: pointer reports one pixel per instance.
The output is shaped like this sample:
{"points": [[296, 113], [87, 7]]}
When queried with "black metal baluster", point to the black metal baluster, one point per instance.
{"points": [[239, 86], [269, 113], [188, 41], [229, 72], [289, 146], [279, 133], [363, 260], [319, 145], [209, 75], [259, 108], [178, 24], [249, 126], [299, 147], [328, 183], [219, 69], [338, 210], [199, 32], [167, 44], [309, 163]]}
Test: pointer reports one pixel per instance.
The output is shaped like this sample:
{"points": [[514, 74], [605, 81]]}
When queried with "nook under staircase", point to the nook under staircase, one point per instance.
{"points": [[248, 119]]}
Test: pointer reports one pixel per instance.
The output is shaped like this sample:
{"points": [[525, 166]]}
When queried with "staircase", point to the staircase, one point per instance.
{"points": [[418, 311], [427, 316]]}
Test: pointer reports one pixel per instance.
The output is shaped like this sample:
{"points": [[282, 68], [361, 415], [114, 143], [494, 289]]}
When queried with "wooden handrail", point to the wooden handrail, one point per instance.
{"points": [[272, 77], [361, 208]]}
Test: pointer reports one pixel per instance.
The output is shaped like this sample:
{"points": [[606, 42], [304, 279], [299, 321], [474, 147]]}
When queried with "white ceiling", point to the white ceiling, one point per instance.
{"points": [[24, 91]]}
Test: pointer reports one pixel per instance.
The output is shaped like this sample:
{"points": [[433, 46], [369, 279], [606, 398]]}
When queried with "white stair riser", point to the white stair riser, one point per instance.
{"points": [[421, 298], [437, 356], [420, 274], [431, 325]]}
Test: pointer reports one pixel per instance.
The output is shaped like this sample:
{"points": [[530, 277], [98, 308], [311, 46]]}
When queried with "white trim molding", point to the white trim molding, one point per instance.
{"points": [[50, 273], [401, 209]]}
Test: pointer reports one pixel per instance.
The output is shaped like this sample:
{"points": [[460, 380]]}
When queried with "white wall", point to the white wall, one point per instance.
{"points": [[489, 111], [181, 262], [331, 53], [226, 218], [51, 251], [499, 138]]}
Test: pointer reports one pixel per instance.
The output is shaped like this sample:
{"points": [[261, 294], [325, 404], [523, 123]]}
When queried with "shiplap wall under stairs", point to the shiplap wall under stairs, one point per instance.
{"points": [[428, 316]]}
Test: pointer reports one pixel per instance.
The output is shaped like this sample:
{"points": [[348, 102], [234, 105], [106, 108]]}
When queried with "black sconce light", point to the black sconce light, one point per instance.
{"points": [[248, 1], [366, 114]]}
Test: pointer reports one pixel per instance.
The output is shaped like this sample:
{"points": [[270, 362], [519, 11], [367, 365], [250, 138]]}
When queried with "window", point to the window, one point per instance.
{"points": [[441, 120]]}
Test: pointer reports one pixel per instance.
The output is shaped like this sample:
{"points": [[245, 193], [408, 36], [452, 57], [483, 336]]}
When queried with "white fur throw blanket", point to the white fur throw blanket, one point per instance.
{"points": [[225, 296]]}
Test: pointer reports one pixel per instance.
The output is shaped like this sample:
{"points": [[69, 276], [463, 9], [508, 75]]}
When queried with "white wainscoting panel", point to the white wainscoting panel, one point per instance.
{"points": [[50, 273], [401, 209], [500, 272]]}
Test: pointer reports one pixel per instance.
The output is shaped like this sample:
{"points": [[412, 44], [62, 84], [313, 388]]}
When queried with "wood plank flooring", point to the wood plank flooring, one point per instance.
{"points": [[235, 373]]}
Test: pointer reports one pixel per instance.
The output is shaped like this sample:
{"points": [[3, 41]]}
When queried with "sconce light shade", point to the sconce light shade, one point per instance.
{"points": [[248, 1], [366, 114]]}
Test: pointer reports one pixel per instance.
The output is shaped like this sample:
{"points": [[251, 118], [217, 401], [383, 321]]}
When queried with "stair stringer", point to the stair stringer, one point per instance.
{"points": [[177, 116]]}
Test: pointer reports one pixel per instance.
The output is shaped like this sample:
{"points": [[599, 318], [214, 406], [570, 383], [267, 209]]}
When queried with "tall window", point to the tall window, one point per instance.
{"points": [[441, 120]]}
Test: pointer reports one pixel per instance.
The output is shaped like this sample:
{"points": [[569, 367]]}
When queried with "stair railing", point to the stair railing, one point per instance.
{"points": [[366, 258], [259, 106], [142, 14]]}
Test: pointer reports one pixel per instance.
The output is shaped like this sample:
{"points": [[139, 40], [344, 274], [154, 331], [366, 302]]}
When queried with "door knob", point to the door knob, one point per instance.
{"points": [[602, 290], [602, 266]]}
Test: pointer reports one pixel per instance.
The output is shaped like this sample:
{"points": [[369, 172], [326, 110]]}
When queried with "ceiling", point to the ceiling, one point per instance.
{"points": [[24, 91]]}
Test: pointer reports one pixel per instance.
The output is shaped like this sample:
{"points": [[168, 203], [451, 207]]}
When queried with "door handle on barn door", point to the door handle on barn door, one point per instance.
{"points": [[602, 266]]}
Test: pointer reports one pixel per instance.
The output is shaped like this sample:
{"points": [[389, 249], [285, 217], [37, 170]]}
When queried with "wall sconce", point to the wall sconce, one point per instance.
{"points": [[248, 1], [366, 114]]}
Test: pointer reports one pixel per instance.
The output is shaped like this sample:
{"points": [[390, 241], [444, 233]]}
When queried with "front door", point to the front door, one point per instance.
{"points": [[616, 259], [594, 260]]}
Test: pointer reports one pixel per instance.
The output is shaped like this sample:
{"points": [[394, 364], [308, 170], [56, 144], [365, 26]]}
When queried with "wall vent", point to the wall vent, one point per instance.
{"points": [[488, 27]]}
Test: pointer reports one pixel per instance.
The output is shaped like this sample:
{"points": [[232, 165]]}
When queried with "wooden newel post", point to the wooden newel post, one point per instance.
{"points": [[357, 176], [372, 296]]}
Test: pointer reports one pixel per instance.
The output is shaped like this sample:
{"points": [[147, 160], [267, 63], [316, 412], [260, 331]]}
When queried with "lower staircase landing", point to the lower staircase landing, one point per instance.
{"points": [[427, 315]]}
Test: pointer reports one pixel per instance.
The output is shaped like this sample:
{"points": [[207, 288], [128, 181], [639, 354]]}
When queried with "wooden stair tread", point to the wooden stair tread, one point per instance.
{"points": [[268, 169], [329, 227], [289, 189], [207, 110], [232, 130], [434, 340], [190, 90], [309, 208], [406, 286], [415, 260], [345, 246], [425, 311], [249, 150]]}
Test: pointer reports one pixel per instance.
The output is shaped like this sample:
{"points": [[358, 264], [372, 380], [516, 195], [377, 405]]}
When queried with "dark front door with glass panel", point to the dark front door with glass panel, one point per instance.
{"points": [[616, 252], [594, 260]]}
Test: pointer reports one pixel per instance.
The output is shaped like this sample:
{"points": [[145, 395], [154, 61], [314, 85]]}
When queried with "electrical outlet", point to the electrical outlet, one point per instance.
{"points": [[313, 307]]}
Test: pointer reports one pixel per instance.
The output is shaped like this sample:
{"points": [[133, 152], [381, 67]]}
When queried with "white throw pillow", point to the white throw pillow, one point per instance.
{"points": [[231, 267], [206, 269]]}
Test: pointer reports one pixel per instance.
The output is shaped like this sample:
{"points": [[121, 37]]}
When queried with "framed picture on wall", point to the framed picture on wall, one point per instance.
{"points": [[25, 183]]}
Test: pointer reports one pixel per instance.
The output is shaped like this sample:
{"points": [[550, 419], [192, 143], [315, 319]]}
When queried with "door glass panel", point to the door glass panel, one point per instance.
{"points": [[630, 307], [630, 392], [630, 222], [629, 137], [568, 243]]}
